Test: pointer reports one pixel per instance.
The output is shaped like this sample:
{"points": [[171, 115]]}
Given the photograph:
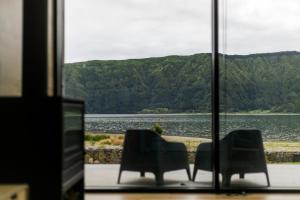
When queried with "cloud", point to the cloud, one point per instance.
{"points": [[121, 29], [256, 26]]}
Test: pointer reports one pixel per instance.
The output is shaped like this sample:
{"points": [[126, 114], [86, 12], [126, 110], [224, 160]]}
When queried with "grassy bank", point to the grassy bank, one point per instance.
{"points": [[116, 140]]}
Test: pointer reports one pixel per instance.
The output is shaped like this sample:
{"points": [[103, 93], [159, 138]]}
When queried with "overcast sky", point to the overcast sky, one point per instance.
{"points": [[121, 29]]}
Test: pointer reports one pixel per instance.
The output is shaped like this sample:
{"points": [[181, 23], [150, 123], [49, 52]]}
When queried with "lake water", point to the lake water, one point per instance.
{"points": [[283, 127]]}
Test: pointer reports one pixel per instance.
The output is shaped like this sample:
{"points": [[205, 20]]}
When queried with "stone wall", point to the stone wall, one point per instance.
{"points": [[112, 155], [282, 157]]}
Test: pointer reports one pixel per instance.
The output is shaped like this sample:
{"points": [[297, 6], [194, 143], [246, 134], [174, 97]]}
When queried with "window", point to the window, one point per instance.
{"points": [[141, 65], [147, 65], [259, 91]]}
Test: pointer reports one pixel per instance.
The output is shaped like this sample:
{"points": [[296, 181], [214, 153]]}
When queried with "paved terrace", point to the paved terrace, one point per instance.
{"points": [[105, 175]]}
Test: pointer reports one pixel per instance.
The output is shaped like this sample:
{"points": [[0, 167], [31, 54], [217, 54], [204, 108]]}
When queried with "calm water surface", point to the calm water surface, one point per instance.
{"points": [[283, 127]]}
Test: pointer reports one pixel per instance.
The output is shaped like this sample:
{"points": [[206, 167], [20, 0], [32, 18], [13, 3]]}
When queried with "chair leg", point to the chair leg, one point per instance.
{"points": [[242, 175], [226, 180], [194, 174], [195, 170], [142, 174], [188, 173], [159, 178], [119, 177], [268, 179]]}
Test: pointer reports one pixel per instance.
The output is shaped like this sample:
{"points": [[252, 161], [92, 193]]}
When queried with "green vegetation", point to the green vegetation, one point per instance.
{"points": [[190, 142], [282, 146], [157, 128], [251, 83], [103, 139], [95, 138]]}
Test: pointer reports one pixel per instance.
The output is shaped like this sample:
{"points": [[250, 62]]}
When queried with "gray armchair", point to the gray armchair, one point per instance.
{"points": [[145, 151], [241, 152]]}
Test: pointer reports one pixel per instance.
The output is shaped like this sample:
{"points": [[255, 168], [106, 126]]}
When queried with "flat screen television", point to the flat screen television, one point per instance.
{"points": [[73, 149]]}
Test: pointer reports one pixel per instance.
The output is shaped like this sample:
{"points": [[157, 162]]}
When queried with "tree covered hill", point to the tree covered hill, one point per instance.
{"points": [[183, 83]]}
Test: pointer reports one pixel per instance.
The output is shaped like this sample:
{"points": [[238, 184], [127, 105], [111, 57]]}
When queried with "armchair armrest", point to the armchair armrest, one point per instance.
{"points": [[174, 146], [245, 149], [174, 156]]}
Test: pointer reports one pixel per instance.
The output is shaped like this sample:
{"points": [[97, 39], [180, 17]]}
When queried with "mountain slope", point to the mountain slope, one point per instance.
{"points": [[183, 83]]}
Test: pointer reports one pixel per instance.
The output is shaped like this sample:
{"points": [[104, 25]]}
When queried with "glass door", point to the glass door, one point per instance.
{"points": [[144, 70], [146, 65], [259, 90]]}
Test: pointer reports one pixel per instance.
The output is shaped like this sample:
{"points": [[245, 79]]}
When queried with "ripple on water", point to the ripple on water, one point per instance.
{"points": [[273, 127]]}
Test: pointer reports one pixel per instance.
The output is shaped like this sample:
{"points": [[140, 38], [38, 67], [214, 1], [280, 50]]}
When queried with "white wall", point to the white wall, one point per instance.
{"points": [[10, 47]]}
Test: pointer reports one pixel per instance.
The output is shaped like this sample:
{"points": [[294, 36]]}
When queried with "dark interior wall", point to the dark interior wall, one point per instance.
{"points": [[13, 148], [30, 144]]}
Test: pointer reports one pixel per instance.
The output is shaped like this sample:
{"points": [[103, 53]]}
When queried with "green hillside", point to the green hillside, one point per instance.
{"points": [[182, 83]]}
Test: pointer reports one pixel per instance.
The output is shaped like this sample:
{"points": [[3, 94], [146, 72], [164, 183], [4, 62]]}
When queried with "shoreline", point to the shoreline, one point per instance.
{"points": [[174, 114], [185, 137]]}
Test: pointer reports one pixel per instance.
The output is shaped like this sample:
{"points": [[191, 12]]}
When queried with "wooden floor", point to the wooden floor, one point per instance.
{"points": [[191, 197]]}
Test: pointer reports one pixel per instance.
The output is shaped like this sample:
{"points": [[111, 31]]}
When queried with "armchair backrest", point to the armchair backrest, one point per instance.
{"points": [[141, 145], [243, 148], [141, 140], [248, 139]]}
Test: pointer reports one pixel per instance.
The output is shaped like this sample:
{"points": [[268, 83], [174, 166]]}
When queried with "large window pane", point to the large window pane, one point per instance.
{"points": [[10, 47], [142, 65], [260, 92]]}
